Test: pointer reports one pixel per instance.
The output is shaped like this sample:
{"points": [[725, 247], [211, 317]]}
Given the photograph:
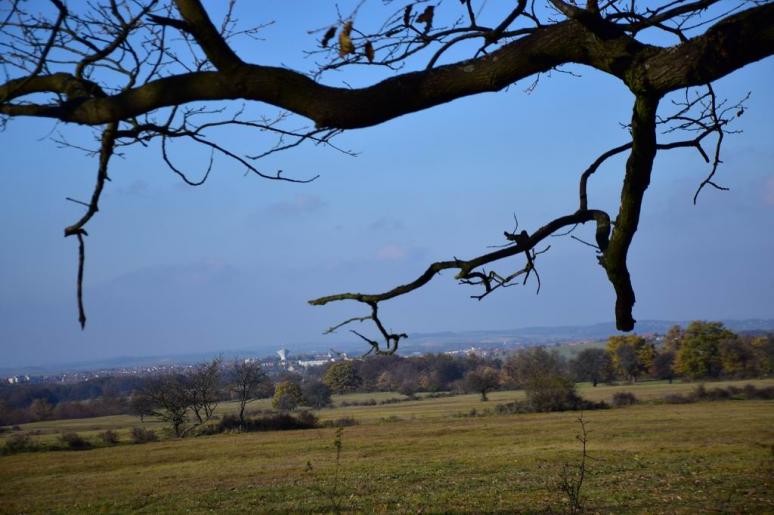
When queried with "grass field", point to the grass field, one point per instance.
{"points": [[417, 456]]}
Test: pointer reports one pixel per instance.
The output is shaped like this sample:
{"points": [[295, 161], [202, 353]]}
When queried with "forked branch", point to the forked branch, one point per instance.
{"points": [[521, 243]]}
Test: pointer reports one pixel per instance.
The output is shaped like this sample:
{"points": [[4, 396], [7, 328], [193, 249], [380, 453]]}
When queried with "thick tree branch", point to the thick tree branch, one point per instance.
{"points": [[465, 267], [62, 83], [732, 43], [636, 181], [200, 26]]}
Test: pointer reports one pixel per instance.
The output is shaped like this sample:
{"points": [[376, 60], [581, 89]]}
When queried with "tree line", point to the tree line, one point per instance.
{"points": [[187, 399], [703, 350]]}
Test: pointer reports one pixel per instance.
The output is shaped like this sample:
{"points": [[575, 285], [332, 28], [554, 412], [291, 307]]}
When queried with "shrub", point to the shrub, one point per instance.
{"points": [[715, 394], [307, 418], [19, 443], [368, 402], [230, 423], [109, 437], [275, 422], [700, 393], [676, 398], [624, 399], [142, 435], [316, 394], [342, 377], [287, 395], [552, 392], [74, 442], [751, 392], [438, 395], [520, 407], [511, 408]]}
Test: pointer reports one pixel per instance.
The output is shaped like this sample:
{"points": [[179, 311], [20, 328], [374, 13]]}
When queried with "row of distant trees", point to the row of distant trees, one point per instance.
{"points": [[97, 397], [703, 350], [186, 400]]}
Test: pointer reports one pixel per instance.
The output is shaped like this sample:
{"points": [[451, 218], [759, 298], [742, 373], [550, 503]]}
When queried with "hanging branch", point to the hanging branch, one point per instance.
{"points": [[77, 229]]}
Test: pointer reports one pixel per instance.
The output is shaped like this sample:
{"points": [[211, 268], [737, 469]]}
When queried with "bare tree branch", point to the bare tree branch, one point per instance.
{"points": [[144, 70]]}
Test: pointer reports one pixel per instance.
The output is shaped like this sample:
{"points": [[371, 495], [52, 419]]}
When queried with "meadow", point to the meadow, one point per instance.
{"points": [[422, 456]]}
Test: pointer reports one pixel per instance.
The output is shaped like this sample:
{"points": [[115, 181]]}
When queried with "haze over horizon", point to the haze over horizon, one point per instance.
{"points": [[422, 343], [174, 269]]}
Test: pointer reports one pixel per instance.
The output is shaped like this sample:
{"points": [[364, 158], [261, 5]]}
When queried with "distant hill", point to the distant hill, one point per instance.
{"points": [[539, 335]]}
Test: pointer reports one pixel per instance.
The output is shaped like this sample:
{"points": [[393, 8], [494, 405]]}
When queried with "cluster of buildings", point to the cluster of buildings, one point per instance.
{"points": [[285, 362]]}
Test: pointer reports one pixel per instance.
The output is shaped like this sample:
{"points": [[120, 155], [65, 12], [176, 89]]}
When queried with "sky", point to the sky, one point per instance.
{"points": [[231, 265]]}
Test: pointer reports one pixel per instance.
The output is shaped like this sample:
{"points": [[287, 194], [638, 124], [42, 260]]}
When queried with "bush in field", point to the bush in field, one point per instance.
{"points": [[520, 407], [307, 419], [109, 437], [19, 443], [554, 392], [342, 377], [142, 435], [287, 395], [766, 393], [701, 393], [275, 422], [74, 442], [316, 394], [676, 398], [546, 380], [624, 399], [482, 380]]}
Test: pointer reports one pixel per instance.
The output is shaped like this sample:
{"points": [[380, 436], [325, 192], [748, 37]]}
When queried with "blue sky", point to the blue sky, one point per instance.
{"points": [[231, 264]]}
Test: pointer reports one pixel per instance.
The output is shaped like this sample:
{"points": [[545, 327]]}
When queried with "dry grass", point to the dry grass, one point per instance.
{"points": [[647, 458]]}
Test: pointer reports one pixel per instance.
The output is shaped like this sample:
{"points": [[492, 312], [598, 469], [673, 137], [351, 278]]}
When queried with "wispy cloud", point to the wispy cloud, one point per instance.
{"points": [[385, 224], [300, 205], [391, 252], [137, 188], [189, 275]]}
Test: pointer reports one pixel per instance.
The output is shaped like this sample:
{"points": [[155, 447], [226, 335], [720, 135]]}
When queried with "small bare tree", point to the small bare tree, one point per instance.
{"points": [[571, 477], [176, 398], [204, 382], [247, 381], [334, 492], [167, 398]]}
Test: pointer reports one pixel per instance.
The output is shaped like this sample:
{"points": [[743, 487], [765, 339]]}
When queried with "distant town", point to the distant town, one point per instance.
{"points": [[485, 344], [282, 360]]}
